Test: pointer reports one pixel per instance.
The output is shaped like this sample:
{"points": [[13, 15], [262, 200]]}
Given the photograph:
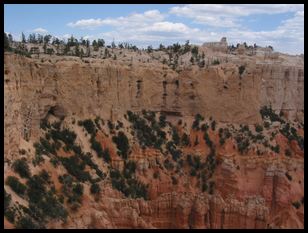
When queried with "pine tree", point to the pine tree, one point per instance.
{"points": [[6, 42], [23, 38], [77, 52], [81, 53]]}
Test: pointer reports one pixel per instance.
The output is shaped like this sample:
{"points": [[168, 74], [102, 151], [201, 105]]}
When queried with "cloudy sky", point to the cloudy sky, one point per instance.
{"points": [[279, 25]]}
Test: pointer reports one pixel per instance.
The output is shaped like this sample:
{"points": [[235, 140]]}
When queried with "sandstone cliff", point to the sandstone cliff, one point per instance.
{"points": [[251, 191]]}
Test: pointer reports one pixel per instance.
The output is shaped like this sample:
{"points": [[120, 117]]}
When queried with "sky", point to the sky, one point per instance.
{"points": [[278, 25]]}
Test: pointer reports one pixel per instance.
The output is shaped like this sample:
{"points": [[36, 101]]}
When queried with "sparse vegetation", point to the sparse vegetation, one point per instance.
{"points": [[296, 204], [95, 188], [288, 176], [288, 153], [196, 123], [122, 144], [148, 130], [88, 125], [21, 167], [259, 128], [130, 187], [216, 62], [267, 112], [185, 140], [75, 167], [15, 185], [241, 69]]}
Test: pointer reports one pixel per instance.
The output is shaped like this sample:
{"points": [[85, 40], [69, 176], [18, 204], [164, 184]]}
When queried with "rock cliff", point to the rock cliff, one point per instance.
{"points": [[250, 191]]}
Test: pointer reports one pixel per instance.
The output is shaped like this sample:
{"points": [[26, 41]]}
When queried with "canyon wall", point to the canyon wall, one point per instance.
{"points": [[68, 86], [251, 190]]}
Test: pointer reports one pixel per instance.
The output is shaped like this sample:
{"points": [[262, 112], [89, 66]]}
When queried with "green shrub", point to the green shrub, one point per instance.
{"points": [[268, 112], [196, 141], [220, 132], [194, 161], [216, 62], [7, 200], [174, 180], [211, 188], [65, 135], [96, 120], [36, 188], [15, 185], [156, 175], [78, 189], [185, 140], [213, 125], [197, 120], [22, 151], [75, 167], [130, 187], [129, 169], [44, 124], [10, 215], [175, 136], [288, 176], [296, 204], [207, 139], [122, 144], [259, 128], [54, 161], [162, 121], [89, 126], [95, 145], [21, 167], [288, 153], [276, 148], [259, 137], [110, 125], [221, 141], [106, 155], [37, 159], [193, 172], [26, 222], [168, 165], [241, 69], [204, 187], [175, 153], [95, 188]]}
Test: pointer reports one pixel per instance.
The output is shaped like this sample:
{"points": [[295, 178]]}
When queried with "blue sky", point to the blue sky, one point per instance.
{"points": [[279, 25]]}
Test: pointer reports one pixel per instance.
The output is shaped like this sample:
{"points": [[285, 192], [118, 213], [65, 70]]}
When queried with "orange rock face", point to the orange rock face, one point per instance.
{"points": [[255, 189]]}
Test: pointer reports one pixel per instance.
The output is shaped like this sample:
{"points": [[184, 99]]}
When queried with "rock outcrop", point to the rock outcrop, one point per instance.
{"points": [[251, 191]]}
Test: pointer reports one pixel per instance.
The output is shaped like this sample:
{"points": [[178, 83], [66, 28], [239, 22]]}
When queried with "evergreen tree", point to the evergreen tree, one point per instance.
{"points": [[23, 38], [100, 43], [6, 42], [40, 38], [77, 52], [47, 39], [10, 38], [81, 53], [113, 45], [94, 43], [186, 47]]}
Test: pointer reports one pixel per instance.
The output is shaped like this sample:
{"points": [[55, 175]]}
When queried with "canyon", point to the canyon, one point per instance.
{"points": [[258, 187]]}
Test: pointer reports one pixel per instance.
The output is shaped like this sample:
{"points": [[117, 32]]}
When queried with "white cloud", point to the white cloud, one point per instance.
{"points": [[168, 27], [40, 30], [133, 20], [86, 23], [226, 15]]}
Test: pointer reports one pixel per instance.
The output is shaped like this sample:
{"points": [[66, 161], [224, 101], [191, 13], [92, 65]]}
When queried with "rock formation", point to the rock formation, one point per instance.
{"points": [[251, 191]]}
